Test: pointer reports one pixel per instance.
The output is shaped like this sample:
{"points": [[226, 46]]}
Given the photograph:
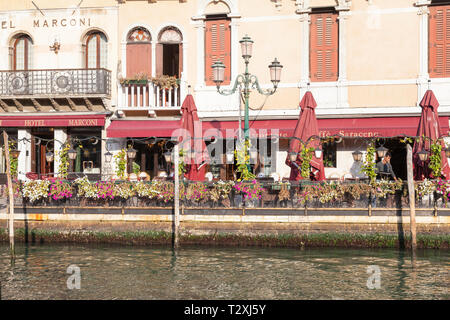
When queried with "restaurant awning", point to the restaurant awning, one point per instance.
{"points": [[96, 120], [348, 127], [142, 128]]}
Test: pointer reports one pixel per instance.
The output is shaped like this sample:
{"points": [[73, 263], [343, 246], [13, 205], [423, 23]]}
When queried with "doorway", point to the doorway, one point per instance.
{"points": [[398, 160], [39, 148], [171, 61]]}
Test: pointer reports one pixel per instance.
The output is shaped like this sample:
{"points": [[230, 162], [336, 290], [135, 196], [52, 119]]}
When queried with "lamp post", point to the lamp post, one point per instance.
{"points": [[131, 155], [72, 156], [247, 80]]}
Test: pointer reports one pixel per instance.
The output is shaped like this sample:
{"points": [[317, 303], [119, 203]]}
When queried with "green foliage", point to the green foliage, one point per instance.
{"points": [[136, 168], [435, 159], [121, 164], [306, 155], [13, 162], [63, 160], [181, 164], [369, 163], [243, 159]]}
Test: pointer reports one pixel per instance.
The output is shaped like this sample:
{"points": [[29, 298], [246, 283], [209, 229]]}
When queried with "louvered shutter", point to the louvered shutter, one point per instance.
{"points": [[324, 47], [159, 59], [439, 42], [217, 47], [139, 59]]}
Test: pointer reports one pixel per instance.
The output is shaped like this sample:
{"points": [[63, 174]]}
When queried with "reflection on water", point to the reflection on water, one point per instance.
{"points": [[113, 272]]}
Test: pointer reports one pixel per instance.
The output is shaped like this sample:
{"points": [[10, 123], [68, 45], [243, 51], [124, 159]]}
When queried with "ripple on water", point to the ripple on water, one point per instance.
{"points": [[125, 272]]}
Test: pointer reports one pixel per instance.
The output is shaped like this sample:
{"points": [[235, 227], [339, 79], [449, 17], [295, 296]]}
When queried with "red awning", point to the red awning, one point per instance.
{"points": [[142, 128], [96, 120], [348, 127], [353, 127]]}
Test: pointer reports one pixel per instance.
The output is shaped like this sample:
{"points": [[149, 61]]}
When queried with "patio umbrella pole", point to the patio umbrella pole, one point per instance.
{"points": [[176, 200], [11, 195], [412, 205]]}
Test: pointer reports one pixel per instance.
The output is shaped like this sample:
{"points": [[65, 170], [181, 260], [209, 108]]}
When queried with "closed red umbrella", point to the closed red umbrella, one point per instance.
{"points": [[306, 127], [428, 127], [192, 138]]}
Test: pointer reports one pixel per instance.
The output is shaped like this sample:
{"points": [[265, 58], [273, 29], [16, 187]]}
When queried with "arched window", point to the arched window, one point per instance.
{"points": [[169, 53], [22, 53], [139, 53], [96, 50]]}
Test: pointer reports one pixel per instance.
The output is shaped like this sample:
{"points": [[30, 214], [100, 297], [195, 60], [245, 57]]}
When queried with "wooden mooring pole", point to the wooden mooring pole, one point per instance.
{"points": [[412, 200], [176, 200], [10, 206]]}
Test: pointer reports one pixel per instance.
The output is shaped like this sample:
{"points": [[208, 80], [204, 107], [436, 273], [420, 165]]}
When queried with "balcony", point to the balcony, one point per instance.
{"points": [[147, 99], [56, 89]]}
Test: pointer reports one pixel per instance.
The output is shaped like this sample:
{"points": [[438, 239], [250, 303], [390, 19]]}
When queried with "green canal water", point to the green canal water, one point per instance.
{"points": [[127, 272]]}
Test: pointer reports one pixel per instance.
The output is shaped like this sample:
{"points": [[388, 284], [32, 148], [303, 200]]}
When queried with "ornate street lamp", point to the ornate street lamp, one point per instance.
{"points": [[357, 156], [218, 73], [131, 153], [168, 156], [318, 152], [72, 154], [292, 156], [49, 156], [108, 157], [423, 155], [230, 156], [247, 80], [275, 72], [381, 151], [246, 47]]}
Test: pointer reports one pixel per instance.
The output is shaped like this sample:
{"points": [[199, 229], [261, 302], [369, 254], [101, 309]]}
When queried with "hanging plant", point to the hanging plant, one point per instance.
{"points": [[13, 162], [306, 155], [243, 158], [121, 164], [435, 159], [63, 160], [369, 163]]}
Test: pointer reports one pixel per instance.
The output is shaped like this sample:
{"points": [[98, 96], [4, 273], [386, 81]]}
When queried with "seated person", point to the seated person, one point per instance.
{"points": [[384, 168]]}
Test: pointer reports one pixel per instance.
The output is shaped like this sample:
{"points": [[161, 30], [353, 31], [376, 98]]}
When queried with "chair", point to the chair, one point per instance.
{"points": [[32, 175]]}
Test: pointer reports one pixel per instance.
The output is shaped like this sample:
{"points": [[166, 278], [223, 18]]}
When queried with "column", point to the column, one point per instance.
{"points": [[304, 58], [184, 74], [200, 26], [60, 136], [24, 146], [422, 80], [235, 47], [342, 94]]}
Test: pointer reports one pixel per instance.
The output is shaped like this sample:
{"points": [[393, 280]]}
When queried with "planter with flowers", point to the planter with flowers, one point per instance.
{"points": [[146, 193], [220, 193], [59, 192], [196, 194], [251, 192]]}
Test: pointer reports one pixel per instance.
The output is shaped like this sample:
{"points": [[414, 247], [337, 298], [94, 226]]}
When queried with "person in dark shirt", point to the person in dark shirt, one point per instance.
{"points": [[384, 168]]}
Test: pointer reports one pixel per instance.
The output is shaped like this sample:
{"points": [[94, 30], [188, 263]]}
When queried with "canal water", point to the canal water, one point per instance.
{"points": [[126, 272]]}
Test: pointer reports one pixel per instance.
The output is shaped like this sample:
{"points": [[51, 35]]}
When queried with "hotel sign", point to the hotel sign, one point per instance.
{"points": [[50, 23], [53, 122]]}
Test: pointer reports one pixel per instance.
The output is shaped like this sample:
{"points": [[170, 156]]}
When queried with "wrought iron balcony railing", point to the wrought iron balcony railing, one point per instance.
{"points": [[57, 82]]}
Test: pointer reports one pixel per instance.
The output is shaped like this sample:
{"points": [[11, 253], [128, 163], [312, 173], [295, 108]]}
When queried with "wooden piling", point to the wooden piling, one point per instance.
{"points": [[412, 200], [11, 195], [176, 201]]}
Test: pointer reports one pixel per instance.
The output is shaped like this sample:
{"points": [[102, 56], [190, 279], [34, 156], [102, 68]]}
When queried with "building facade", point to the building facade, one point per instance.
{"points": [[76, 72]]}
